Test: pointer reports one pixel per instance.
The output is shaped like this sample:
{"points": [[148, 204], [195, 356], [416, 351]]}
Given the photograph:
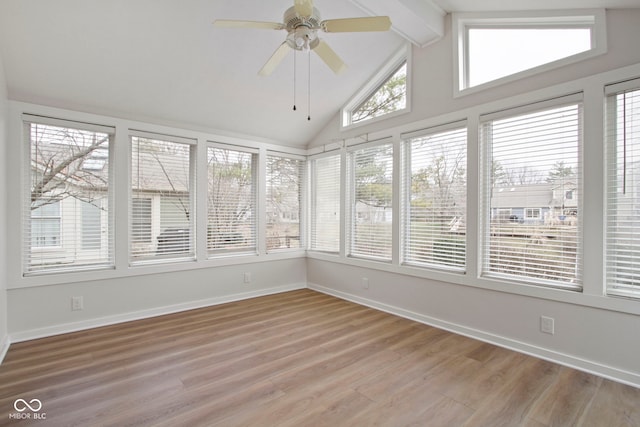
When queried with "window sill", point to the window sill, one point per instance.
{"points": [[126, 271]]}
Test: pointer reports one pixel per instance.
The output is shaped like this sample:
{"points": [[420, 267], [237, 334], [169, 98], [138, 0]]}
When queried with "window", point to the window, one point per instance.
{"points": [[45, 225], [532, 213], [162, 173], [623, 190], [493, 46], [435, 198], [325, 203], [387, 93], [67, 225], [389, 97], [531, 156], [284, 193], [231, 201], [371, 191], [91, 226], [141, 220]]}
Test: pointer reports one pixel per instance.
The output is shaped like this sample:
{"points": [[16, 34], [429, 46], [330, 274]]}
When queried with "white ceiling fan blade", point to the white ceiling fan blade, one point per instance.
{"points": [[275, 59], [303, 7], [348, 25], [330, 57], [230, 23]]}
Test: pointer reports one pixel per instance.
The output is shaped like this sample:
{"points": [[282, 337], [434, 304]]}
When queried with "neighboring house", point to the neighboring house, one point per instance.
{"points": [[55, 238], [543, 203]]}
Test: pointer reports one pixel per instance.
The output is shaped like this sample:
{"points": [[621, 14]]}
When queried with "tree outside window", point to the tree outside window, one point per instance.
{"points": [[389, 97], [372, 188], [231, 200], [435, 226], [284, 191]]}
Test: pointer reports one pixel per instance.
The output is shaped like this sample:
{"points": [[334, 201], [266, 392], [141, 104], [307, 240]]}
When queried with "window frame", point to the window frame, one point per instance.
{"points": [[353, 214], [311, 164], [529, 211], [301, 220], [391, 66], [406, 176], [612, 285], [486, 190], [69, 247], [594, 19], [244, 250], [152, 257]]}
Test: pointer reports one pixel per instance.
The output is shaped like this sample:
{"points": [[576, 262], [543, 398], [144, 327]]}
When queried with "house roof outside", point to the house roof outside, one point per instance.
{"points": [[534, 196]]}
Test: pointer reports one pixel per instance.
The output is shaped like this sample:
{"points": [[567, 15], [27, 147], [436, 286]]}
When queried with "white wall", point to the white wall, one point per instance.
{"points": [[4, 343], [593, 332], [46, 310]]}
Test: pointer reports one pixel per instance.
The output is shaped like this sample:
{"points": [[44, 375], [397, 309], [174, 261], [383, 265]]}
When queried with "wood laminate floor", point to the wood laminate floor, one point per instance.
{"points": [[296, 359]]}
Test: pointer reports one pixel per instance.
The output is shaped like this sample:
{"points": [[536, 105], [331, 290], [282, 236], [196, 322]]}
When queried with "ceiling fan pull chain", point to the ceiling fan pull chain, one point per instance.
{"points": [[309, 87], [294, 80]]}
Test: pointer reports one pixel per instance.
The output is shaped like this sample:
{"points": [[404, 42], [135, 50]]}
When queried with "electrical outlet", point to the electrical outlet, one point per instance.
{"points": [[247, 277], [77, 303], [365, 283], [547, 325]]}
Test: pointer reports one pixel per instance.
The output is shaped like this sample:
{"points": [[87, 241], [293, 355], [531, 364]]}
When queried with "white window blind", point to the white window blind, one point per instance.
{"points": [[67, 221], [161, 204], [284, 192], [623, 193], [325, 203], [434, 207], [531, 163], [231, 201], [371, 190]]}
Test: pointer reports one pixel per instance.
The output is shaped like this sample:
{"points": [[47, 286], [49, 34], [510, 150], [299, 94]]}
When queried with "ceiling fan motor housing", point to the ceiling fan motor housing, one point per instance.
{"points": [[302, 31]]}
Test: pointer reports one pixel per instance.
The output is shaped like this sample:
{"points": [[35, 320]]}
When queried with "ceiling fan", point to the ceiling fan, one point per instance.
{"points": [[302, 22]]}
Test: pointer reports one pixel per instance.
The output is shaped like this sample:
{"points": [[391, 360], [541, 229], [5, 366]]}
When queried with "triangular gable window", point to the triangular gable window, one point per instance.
{"points": [[389, 97], [386, 93]]}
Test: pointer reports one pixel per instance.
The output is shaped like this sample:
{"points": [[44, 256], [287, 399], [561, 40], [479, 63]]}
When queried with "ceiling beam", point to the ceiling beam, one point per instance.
{"points": [[419, 21]]}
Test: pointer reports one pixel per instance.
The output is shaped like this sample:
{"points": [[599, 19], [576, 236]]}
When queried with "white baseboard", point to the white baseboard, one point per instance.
{"points": [[618, 375], [143, 314], [5, 342]]}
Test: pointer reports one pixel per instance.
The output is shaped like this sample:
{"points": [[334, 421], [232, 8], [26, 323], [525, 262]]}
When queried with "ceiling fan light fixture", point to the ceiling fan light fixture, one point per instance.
{"points": [[302, 22], [302, 38]]}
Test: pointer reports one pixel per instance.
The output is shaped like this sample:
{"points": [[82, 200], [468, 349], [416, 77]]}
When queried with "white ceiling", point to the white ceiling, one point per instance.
{"points": [[163, 61]]}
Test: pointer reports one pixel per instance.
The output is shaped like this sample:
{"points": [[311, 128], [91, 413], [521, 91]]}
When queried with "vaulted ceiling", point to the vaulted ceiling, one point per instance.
{"points": [[164, 61]]}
